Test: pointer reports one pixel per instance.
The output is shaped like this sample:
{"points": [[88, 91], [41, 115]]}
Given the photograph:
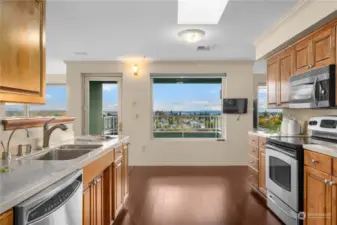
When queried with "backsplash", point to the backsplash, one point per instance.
{"points": [[35, 139], [303, 115]]}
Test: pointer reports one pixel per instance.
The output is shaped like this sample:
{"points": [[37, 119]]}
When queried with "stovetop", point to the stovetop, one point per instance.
{"points": [[298, 141]]}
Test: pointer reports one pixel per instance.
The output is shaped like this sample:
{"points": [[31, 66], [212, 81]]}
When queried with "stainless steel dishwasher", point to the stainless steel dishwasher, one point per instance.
{"points": [[58, 204]]}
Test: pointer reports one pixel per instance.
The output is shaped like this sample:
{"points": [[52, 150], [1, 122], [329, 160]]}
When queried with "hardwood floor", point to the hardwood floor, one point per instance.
{"points": [[193, 196]]}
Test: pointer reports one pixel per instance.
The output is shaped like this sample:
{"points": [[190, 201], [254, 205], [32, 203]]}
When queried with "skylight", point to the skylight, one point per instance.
{"points": [[200, 11]]}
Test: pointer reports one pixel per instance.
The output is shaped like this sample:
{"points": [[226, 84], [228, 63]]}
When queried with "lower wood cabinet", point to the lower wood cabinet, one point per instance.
{"points": [[93, 202], [118, 186], [7, 218], [262, 172], [105, 194], [257, 163], [317, 197]]}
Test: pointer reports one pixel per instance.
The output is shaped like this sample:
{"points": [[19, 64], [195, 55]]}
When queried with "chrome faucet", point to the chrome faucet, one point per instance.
{"points": [[6, 155], [48, 131]]}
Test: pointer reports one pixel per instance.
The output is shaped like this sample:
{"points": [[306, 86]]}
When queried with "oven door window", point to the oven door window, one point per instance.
{"points": [[280, 172]]}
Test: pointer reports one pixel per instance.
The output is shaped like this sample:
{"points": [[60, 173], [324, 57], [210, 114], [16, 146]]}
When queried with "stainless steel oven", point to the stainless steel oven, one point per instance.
{"points": [[284, 180], [313, 89]]}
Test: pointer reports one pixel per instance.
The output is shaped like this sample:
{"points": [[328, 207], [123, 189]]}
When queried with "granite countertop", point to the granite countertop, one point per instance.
{"points": [[262, 133], [27, 177], [329, 149]]}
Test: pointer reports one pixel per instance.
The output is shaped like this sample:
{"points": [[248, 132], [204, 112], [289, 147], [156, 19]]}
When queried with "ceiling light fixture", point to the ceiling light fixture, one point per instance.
{"points": [[192, 35], [200, 11]]}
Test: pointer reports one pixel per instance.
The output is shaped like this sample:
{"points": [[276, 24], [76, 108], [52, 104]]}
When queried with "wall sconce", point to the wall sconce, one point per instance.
{"points": [[135, 69]]}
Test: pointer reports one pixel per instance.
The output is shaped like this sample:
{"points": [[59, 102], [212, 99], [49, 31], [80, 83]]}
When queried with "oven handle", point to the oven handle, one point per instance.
{"points": [[272, 200], [314, 91], [277, 149]]}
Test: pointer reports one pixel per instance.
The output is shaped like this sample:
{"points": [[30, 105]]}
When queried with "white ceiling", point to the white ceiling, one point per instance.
{"points": [[118, 29]]}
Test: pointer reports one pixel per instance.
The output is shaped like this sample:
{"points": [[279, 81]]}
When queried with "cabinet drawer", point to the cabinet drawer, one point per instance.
{"points": [[253, 177], [253, 162], [254, 140], [318, 161], [253, 151], [262, 142]]}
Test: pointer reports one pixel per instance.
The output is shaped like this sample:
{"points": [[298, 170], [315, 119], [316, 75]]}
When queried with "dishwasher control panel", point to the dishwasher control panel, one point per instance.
{"points": [[54, 202]]}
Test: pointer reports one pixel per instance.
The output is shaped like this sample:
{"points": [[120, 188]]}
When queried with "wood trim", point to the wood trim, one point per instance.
{"points": [[11, 124]]}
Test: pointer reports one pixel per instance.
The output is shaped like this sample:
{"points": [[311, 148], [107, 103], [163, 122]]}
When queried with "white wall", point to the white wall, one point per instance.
{"points": [[146, 151]]}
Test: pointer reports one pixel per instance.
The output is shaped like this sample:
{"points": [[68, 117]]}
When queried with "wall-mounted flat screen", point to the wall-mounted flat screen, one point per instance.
{"points": [[235, 105]]}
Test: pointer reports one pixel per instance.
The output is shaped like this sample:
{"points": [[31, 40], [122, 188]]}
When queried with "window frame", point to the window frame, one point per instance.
{"points": [[223, 77]]}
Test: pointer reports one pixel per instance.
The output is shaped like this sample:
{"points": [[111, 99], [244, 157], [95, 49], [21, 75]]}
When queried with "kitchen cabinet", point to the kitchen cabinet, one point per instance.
{"points": [[93, 202], [7, 218], [323, 48], [272, 77], [257, 163], [118, 186], [22, 59], [262, 173], [317, 197], [302, 56], [286, 61], [125, 171]]}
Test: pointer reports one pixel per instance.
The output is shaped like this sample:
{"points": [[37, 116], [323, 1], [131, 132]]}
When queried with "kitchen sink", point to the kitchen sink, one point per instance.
{"points": [[62, 154], [65, 152]]}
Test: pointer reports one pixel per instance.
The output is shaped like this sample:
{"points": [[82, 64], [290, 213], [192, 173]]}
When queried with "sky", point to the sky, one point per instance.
{"points": [[166, 97]]}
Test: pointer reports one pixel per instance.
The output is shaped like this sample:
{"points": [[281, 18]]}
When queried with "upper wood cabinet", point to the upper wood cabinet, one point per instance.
{"points": [[323, 48], [22, 51], [315, 51], [286, 61], [302, 56], [7, 218], [272, 77]]}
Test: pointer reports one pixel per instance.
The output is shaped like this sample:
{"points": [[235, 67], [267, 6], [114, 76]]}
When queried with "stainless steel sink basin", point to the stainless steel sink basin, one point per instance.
{"points": [[65, 152], [62, 154]]}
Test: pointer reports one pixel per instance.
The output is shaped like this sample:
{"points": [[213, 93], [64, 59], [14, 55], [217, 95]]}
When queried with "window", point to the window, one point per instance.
{"points": [[56, 101], [267, 118], [187, 108], [15, 110]]}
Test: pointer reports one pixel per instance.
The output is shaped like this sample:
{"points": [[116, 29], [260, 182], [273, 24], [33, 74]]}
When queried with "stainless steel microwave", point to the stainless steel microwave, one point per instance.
{"points": [[314, 89]]}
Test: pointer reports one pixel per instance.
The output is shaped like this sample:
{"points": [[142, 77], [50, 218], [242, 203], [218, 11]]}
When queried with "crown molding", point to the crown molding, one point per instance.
{"points": [[302, 4]]}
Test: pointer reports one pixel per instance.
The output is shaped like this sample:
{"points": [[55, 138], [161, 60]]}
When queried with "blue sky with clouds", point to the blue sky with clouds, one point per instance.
{"points": [[167, 97]]}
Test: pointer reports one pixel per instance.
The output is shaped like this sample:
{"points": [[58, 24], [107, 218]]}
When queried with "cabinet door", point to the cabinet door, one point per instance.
{"points": [[286, 71], [125, 171], [88, 206], [108, 188], [99, 200], [7, 218], [118, 196], [334, 200], [317, 197], [22, 51], [323, 47], [302, 56], [262, 173], [272, 77]]}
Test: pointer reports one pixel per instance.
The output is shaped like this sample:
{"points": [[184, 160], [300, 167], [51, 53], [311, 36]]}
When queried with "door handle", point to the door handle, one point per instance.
{"points": [[331, 183]]}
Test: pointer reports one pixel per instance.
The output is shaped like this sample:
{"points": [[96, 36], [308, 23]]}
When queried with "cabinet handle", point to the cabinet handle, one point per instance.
{"points": [[251, 161], [98, 180], [314, 161], [331, 183], [309, 66], [326, 181]]}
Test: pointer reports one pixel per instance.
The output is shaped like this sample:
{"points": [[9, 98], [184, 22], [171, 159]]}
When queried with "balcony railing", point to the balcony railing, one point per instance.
{"points": [[110, 125], [187, 126]]}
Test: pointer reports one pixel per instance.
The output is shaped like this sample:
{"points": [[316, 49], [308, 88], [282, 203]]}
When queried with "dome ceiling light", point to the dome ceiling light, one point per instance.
{"points": [[192, 35]]}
